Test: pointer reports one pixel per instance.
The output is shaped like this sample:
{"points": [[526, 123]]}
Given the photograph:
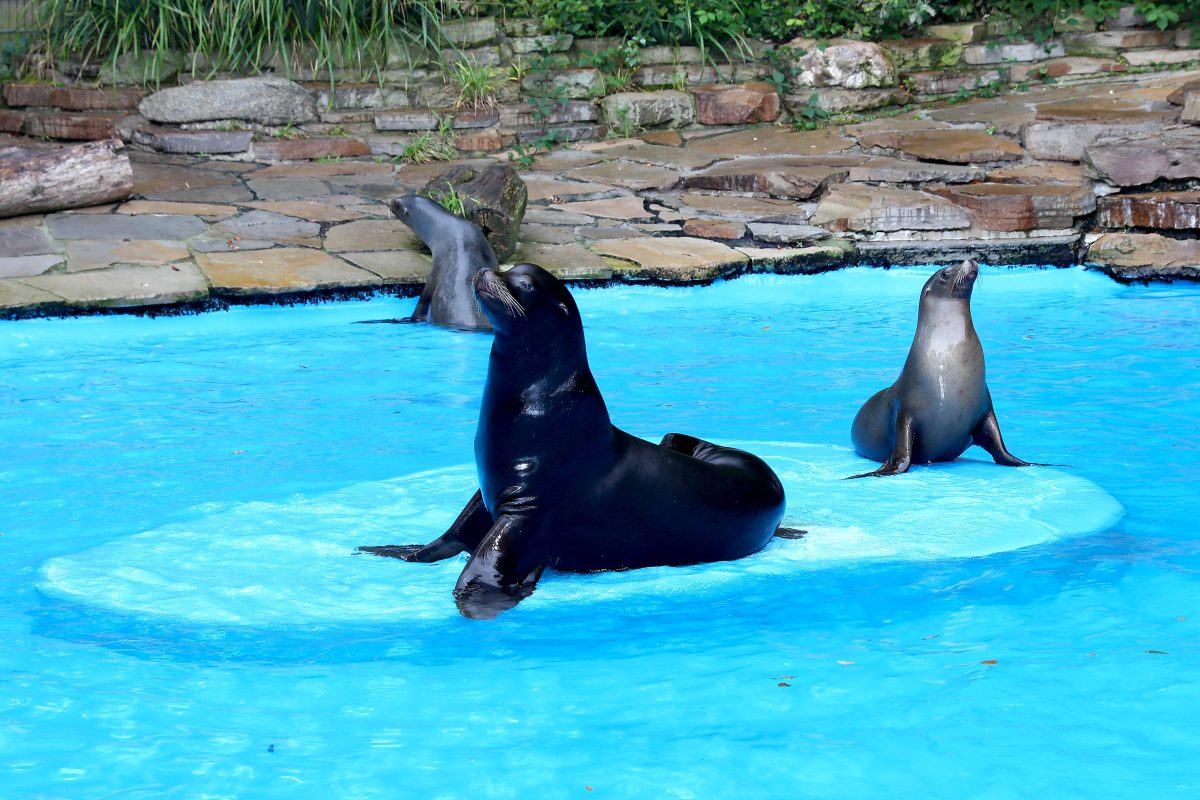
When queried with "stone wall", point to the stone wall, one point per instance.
{"points": [[548, 88]]}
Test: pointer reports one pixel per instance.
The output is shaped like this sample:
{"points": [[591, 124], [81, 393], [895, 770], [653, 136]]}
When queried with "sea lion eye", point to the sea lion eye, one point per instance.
{"points": [[524, 284]]}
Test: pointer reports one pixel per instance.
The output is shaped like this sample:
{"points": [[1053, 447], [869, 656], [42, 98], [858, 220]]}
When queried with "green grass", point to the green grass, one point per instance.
{"points": [[240, 35]]}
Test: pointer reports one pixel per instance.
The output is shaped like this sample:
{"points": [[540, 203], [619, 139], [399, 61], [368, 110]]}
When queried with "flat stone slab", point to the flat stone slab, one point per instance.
{"points": [[1067, 141], [1146, 256], [847, 101], [126, 287], [218, 243], [884, 169], [20, 299], [397, 268], [744, 209], [938, 82], [859, 207], [674, 258], [649, 109], [556, 189], [593, 233], [1038, 174], [281, 271], [166, 140], [266, 100], [124, 226], [1001, 115], [546, 234], [268, 225], [1018, 207], [287, 188], [371, 234], [797, 178], [1105, 109], [1162, 210], [308, 210], [787, 234], [1111, 43], [772, 142], [210, 212], [25, 242], [799, 260], [562, 160], [1139, 159], [84, 254], [678, 158], [25, 266], [567, 261], [628, 175], [714, 229], [329, 170], [310, 149], [754, 101], [993, 53], [629, 209], [964, 146]]}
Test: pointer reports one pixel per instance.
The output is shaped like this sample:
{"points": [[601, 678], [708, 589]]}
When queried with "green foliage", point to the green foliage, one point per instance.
{"points": [[810, 115], [477, 85], [431, 145], [239, 35]]}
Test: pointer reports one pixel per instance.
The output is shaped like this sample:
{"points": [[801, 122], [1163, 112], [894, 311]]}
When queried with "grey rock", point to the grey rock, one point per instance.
{"points": [[123, 287], [268, 225], [978, 54], [1139, 159], [1066, 141], [265, 100], [210, 142], [24, 242], [649, 109], [24, 266], [787, 234], [122, 226], [287, 188], [845, 63]]}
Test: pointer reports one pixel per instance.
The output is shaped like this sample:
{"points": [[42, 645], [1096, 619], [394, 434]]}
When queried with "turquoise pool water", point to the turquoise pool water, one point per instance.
{"points": [[181, 614]]}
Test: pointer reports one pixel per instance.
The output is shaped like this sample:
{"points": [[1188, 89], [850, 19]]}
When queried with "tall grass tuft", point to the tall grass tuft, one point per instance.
{"points": [[242, 35]]}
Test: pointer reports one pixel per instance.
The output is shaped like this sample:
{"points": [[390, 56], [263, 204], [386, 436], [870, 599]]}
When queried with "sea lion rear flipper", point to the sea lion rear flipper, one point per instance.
{"points": [[464, 534], [421, 312], [497, 577], [987, 435], [901, 458]]}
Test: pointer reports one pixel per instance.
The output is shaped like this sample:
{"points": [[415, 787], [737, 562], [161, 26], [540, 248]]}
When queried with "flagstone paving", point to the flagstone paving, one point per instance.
{"points": [[1106, 168]]}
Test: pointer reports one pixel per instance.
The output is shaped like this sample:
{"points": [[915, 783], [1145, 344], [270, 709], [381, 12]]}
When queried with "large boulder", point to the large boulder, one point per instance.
{"points": [[265, 100], [1143, 158], [844, 63]]}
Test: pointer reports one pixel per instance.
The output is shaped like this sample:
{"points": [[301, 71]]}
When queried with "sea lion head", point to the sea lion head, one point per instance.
{"points": [[408, 206], [526, 297], [952, 283]]}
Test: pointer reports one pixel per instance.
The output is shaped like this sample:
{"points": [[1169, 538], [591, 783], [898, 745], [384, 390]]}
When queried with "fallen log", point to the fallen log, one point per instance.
{"points": [[33, 180]]}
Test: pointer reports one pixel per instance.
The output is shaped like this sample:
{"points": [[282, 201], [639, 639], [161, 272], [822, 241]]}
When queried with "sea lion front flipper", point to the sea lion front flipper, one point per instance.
{"points": [[902, 449], [421, 312], [464, 534], [987, 435], [497, 577]]}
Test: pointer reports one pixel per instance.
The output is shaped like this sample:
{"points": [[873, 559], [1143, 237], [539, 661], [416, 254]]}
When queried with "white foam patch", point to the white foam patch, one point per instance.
{"points": [[294, 562]]}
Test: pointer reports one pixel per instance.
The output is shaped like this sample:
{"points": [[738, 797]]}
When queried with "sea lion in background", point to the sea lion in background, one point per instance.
{"points": [[459, 250], [940, 405], [561, 487]]}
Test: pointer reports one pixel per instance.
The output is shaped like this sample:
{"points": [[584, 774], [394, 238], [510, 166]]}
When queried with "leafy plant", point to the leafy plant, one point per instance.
{"points": [[810, 115], [477, 85], [431, 145], [238, 35]]}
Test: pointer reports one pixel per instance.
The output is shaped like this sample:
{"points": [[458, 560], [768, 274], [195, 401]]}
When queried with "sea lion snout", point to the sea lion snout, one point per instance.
{"points": [[399, 207], [964, 279]]}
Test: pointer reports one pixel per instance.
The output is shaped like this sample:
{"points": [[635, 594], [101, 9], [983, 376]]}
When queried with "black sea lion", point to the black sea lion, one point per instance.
{"points": [[561, 487], [459, 250], [940, 404]]}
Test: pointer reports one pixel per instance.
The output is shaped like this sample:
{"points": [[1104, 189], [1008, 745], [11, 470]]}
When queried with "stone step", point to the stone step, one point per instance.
{"points": [[1151, 58], [1143, 158], [1146, 256], [863, 208], [310, 149], [848, 101], [1162, 210], [957, 146], [1110, 44], [1069, 66], [75, 126], [73, 98], [172, 140], [1019, 207], [793, 177], [940, 82], [995, 53]]}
